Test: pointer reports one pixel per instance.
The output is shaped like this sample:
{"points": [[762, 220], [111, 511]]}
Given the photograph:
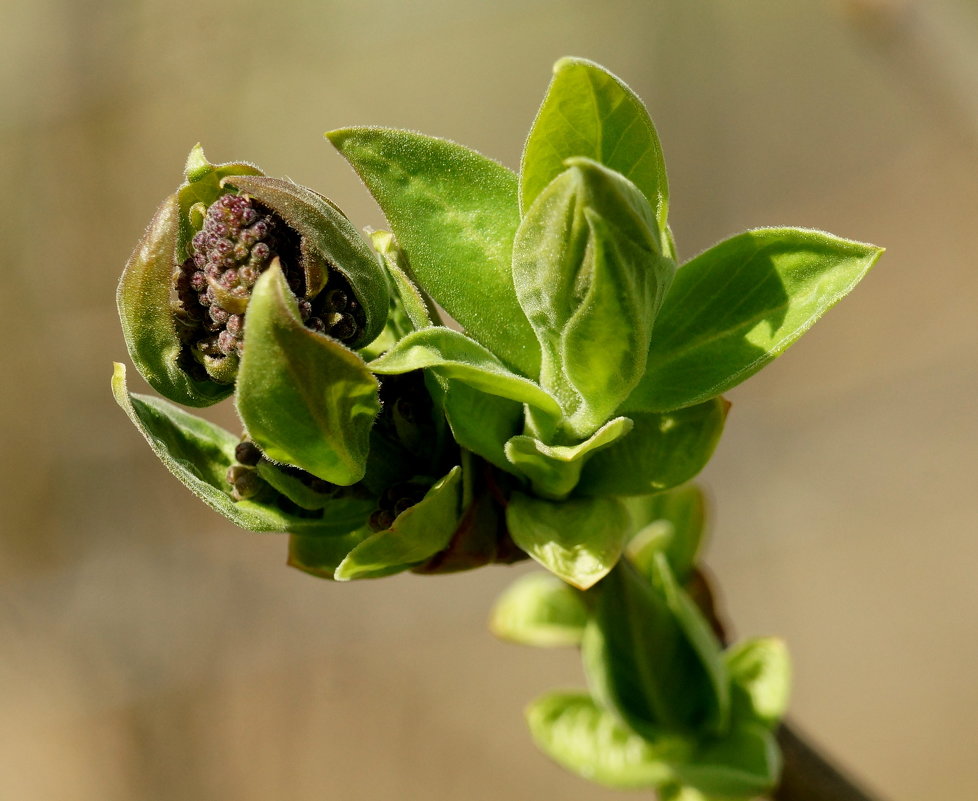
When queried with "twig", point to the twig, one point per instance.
{"points": [[808, 776]]}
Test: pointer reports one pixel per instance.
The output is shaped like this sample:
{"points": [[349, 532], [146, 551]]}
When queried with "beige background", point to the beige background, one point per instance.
{"points": [[151, 651]]}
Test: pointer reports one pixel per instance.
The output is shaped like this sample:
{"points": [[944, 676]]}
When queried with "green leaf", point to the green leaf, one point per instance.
{"points": [[591, 113], [304, 398], [578, 540], [539, 609], [451, 354], [199, 453], [327, 232], [590, 279], [482, 423], [699, 635], [761, 670], [591, 742], [669, 522], [320, 556], [744, 764], [416, 534], [455, 213], [734, 308], [639, 661], [662, 451], [417, 307], [554, 470], [146, 313]]}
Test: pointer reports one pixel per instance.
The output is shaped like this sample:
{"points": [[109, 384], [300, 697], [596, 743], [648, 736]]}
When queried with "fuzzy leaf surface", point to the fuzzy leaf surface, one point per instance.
{"points": [[579, 540], [454, 212], [199, 454], [737, 306], [143, 299], [590, 112], [454, 355], [304, 398]]}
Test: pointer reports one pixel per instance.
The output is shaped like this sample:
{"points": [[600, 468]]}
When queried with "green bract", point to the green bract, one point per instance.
{"points": [[559, 415]]}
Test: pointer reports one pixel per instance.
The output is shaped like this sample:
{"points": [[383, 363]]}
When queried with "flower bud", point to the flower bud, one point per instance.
{"points": [[185, 292]]}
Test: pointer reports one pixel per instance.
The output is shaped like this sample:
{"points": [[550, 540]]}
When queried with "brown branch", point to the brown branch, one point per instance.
{"points": [[808, 776]]}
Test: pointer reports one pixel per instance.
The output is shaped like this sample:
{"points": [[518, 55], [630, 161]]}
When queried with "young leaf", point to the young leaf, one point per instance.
{"points": [[639, 661], [455, 213], [147, 318], [578, 540], [742, 765], [591, 113], [668, 522], [662, 451], [590, 279], [417, 307], [416, 534], [589, 741], [482, 423], [304, 398], [199, 453], [761, 669], [320, 556], [734, 308], [451, 354], [539, 609], [554, 470]]}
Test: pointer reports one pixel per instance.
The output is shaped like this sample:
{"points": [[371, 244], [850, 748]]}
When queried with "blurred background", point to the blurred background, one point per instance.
{"points": [[152, 651]]}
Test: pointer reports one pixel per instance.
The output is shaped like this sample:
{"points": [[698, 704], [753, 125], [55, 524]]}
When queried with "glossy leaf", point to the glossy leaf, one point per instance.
{"points": [[454, 212], [744, 764], [145, 310], [591, 113], [662, 451], [304, 398], [761, 670], [590, 279], [451, 354], [199, 453], [327, 232], [416, 534], [669, 522], [639, 661], [539, 609], [554, 470], [578, 540], [591, 742], [734, 308]]}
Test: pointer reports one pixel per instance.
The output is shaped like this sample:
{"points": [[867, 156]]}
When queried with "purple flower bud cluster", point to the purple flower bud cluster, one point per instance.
{"points": [[239, 240]]}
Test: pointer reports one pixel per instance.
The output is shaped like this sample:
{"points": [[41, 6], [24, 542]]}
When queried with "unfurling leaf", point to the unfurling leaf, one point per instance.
{"points": [[590, 277], [591, 113], [304, 398]]}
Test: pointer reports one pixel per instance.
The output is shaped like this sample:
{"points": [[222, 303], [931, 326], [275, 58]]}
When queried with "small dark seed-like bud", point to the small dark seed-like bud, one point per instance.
{"points": [[344, 328], [381, 520], [247, 453]]}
